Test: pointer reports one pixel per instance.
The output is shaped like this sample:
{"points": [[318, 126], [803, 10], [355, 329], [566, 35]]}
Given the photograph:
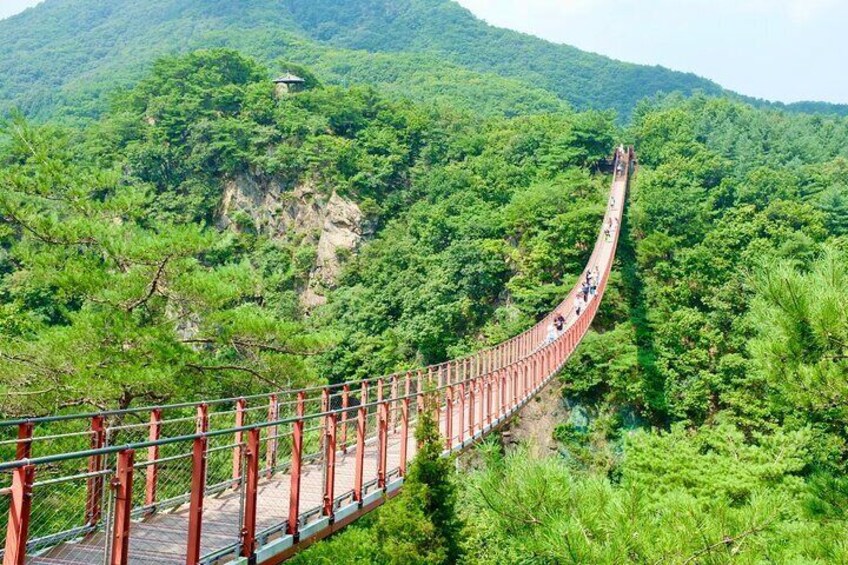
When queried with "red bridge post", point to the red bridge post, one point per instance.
{"points": [[500, 393], [152, 471], [541, 367], [329, 456], [123, 508], [382, 435], [393, 417], [273, 416], [361, 422], [514, 386], [20, 506], [489, 382], [419, 400], [296, 466], [251, 487], [462, 411], [241, 404], [23, 449], [202, 418], [437, 401], [471, 407], [345, 406], [482, 400], [449, 417], [404, 430], [504, 388], [94, 485], [198, 491], [558, 353]]}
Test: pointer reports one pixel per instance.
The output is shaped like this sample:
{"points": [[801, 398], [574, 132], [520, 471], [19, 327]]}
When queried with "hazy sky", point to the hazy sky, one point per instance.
{"points": [[10, 7], [785, 50]]}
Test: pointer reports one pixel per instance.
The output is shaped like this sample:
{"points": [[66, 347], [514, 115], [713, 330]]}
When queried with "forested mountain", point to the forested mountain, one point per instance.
{"points": [[430, 192], [68, 55]]}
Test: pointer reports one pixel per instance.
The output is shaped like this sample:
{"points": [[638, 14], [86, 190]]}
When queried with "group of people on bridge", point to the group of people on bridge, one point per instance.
{"points": [[588, 290], [621, 159], [590, 285], [610, 228]]}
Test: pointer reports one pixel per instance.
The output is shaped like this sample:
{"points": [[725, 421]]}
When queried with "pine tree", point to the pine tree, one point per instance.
{"points": [[422, 527]]}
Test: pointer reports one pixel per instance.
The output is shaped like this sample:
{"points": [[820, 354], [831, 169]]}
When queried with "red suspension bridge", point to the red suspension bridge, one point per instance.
{"points": [[255, 479]]}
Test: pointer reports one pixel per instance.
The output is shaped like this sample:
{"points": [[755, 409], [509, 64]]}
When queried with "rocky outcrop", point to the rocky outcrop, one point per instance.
{"points": [[535, 424], [332, 224]]}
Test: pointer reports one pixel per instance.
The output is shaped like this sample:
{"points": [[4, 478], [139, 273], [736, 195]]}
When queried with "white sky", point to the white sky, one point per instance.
{"points": [[11, 7], [785, 50]]}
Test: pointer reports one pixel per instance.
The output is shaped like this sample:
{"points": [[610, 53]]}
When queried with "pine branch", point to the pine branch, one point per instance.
{"points": [[13, 218], [153, 286], [529, 519], [30, 392], [248, 370], [252, 345], [35, 364], [728, 541]]}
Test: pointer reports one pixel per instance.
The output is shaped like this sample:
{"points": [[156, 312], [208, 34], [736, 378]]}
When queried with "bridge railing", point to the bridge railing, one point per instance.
{"points": [[37, 436], [165, 482]]}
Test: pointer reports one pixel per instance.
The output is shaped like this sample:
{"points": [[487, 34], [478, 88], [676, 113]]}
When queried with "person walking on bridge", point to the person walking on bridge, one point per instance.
{"points": [[552, 334], [559, 323]]}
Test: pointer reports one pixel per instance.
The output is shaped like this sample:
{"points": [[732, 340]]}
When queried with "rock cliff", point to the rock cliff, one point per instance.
{"points": [[334, 225]]}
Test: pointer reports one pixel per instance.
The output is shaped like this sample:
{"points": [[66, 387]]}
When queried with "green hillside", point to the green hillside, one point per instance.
{"points": [[67, 56], [161, 228], [445, 28], [708, 405]]}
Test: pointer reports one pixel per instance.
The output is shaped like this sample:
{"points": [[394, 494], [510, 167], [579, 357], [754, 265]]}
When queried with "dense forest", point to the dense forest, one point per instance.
{"points": [[710, 400], [65, 58], [180, 230], [712, 391], [121, 268]]}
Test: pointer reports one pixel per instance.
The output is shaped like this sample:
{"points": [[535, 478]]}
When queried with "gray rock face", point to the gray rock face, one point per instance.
{"points": [[342, 230], [334, 225]]}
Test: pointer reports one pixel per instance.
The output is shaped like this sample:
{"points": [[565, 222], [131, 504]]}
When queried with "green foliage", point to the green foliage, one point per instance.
{"points": [[356, 544], [498, 221], [480, 228], [105, 306], [708, 205], [606, 366], [800, 350], [145, 258], [421, 526], [62, 57], [705, 498]]}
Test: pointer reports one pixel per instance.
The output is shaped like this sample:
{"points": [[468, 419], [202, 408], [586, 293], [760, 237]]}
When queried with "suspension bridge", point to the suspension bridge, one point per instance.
{"points": [[256, 479]]}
